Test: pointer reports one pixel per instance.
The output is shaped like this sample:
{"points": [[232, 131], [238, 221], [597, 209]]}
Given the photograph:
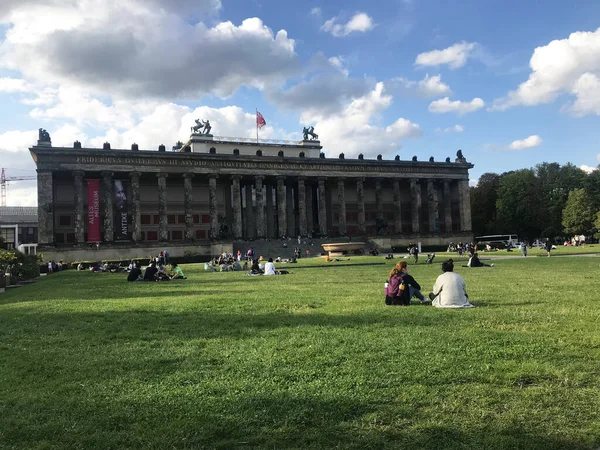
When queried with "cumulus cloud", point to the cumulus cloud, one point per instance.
{"points": [[566, 66], [15, 156], [323, 94], [427, 87], [530, 142], [316, 11], [360, 22], [455, 129], [455, 56], [10, 85], [588, 169], [445, 105], [352, 131], [136, 49]]}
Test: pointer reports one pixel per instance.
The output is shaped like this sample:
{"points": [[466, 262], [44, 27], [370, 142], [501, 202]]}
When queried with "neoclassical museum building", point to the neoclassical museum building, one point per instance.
{"points": [[207, 193]]}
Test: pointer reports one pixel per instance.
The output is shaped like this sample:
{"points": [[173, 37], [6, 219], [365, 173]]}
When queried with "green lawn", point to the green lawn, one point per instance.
{"points": [[312, 359]]}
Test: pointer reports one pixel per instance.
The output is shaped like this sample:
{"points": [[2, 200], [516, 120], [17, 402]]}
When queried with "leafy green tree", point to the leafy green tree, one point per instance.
{"points": [[518, 204], [483, 203], [591, 184], [578, 215], [555, 183]]}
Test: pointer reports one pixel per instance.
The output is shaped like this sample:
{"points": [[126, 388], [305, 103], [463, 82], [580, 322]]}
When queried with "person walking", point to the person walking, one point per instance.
{"points": [[548, 247]]}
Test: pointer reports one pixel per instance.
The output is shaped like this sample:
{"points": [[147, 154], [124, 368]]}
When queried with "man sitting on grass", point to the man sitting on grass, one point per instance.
{"points": [[449, 290], [177, 272], [150, 272]]}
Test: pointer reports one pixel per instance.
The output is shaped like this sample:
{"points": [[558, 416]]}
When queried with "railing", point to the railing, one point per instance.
{"points": [[260, 140]]}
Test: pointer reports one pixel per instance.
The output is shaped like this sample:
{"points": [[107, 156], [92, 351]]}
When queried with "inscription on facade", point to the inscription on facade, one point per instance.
{"points": [[297, 166]]}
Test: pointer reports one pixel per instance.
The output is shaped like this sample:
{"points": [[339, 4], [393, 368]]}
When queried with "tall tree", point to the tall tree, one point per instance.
{"points": [[591, 184], [518, 204], [578, 214], [483, 203]]}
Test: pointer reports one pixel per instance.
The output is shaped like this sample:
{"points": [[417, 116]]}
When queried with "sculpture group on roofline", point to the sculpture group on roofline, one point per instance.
{"points": [[43, 135], [310, 131], [201, 127]]}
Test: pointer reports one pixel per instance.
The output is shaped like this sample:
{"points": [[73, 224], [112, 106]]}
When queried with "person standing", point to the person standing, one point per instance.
{"points": [[524, 248], [450, 290], [548, 247]]}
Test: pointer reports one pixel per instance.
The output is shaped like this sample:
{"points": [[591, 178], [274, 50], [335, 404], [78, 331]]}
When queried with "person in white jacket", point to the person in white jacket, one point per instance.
{"points": [[450, 290], [270, 268]]}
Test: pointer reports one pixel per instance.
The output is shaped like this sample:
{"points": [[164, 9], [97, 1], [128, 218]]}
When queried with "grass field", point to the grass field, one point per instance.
{"points": [[312, 359]]}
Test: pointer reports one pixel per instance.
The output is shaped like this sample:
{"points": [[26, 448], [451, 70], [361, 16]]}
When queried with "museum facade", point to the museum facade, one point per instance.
{"points": [[210, 191]]}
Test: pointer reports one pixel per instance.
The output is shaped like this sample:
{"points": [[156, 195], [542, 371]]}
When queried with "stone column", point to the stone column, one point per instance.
{"points": [[379, 197], [78, 187], [432, 203], [212, 206], [397, 207], [237, 206], [136, 212], [341, 207], [302, 206], [45, 207], [289, 202], [107, 187], [270, 216], [415, 194], [260, 207], [360, 203], [310, 198], [187, 207], [447, 206], [281, 207], [322, 207], [163, 223], [250, 223], [465, 205]]}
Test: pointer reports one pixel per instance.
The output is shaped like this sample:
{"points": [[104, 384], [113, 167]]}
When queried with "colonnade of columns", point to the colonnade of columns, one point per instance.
{"points": [[295, 202]]}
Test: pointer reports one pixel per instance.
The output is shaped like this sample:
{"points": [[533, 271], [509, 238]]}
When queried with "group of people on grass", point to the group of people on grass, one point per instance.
{"points": [[449, 290], [156, 273]]}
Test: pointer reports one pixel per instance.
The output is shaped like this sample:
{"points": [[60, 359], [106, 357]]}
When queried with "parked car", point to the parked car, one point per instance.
{"points": [[537, 243]]}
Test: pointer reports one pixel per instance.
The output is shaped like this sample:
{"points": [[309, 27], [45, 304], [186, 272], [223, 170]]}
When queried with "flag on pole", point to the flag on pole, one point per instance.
{"points": [[260, 120]]}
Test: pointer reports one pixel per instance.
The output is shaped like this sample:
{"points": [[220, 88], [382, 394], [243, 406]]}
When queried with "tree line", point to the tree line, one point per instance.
{"points": [[547, 201]]}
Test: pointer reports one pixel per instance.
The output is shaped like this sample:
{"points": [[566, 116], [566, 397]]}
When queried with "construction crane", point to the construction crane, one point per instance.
{"points": [[4, 181]]}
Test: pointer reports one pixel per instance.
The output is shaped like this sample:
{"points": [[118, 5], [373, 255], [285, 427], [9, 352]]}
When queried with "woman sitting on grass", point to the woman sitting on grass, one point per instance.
{"points": [[402, 286], [450, 290], [177, 272]]}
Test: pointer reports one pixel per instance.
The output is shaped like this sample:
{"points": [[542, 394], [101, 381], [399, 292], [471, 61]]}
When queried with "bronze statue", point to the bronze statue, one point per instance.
{"points": [[43, 135], [459, 157], [310, 131], [203, 127]]}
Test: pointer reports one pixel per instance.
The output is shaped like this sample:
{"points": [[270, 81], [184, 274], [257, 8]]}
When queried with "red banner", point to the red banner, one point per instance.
{"points": [[93, 210]]}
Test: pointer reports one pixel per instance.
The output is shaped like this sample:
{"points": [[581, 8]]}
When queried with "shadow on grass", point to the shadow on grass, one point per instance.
{"points": [[190, 420]]}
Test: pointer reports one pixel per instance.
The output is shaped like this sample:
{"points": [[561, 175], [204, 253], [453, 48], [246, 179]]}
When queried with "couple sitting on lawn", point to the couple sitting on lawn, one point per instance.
{"points": [[449, 290]]}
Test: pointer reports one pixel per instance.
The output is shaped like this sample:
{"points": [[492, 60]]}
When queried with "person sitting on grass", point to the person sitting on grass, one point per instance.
{"points": [[161, 275], [402, 286], [255, 268], [150, 272], [450, 290], [270, 268], [474, 261], [135, 274], [177, 272]]}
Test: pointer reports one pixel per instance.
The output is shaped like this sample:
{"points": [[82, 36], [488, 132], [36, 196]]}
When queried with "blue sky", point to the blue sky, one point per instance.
{"points": [[511, 83]]}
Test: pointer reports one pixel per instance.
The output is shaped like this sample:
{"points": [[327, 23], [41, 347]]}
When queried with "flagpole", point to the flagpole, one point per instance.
{"points": [[256, 120]]}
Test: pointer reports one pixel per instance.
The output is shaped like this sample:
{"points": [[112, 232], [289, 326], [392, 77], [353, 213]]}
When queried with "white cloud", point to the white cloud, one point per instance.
{"points": [[445, 105], [566, 66], [587, 169], [169, 123], [339, 63], [530, 142], [455, 56], [455, 129], [427, 87], [105, 47], [10, 85], [15, 156], [322, 94], [352, 131], [316, 11], [360, 22]]}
